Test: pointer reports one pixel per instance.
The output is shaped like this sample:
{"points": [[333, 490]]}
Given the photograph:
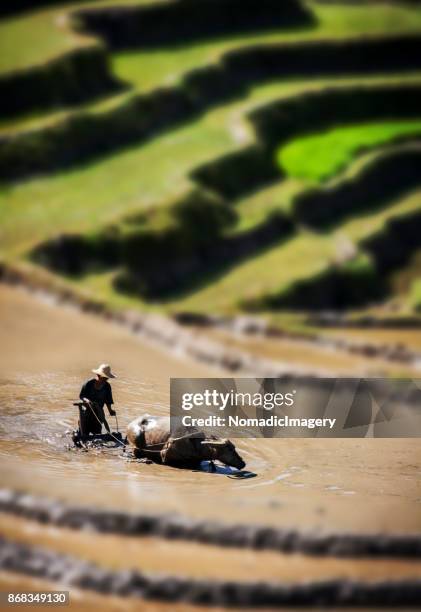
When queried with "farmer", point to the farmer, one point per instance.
{"points": [[94, 394]]}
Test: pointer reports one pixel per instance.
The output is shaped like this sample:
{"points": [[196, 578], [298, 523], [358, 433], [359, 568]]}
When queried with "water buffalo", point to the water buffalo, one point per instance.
{"points": [[152, 439]]}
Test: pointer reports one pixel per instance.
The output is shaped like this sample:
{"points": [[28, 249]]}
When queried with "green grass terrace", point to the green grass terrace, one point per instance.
{"points": [[140, 178]]}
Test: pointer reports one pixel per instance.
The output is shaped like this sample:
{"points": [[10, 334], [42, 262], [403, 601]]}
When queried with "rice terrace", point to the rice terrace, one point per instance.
{"points": [[205, 186]]}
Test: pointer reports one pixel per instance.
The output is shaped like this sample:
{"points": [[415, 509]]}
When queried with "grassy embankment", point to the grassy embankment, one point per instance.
{"points": [[103, 191], [84, 199], [48, 33], [40, 35]]}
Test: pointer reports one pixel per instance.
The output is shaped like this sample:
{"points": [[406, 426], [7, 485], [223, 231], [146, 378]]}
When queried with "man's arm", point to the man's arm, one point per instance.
{"points": [[83, 393], [84, 399], [111, 410], [110, 401]]}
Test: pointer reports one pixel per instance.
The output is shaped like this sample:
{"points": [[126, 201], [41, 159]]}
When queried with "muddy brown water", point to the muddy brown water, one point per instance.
{"points": [[47, 352], [90, 602]]}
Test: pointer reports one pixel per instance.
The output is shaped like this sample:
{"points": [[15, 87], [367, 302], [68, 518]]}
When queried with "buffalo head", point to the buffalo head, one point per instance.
{"points": [[224, 451]]}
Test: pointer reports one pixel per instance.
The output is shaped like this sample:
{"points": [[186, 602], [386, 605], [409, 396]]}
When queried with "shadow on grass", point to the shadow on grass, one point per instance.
{"points": [[391, 175], [187, 22], [213, 270]]}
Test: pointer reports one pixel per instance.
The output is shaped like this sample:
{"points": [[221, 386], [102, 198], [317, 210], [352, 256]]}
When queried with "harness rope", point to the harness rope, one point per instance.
{"points": [[122, 443]]}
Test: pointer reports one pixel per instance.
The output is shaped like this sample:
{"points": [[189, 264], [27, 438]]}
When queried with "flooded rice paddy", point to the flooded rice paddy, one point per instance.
{"points": [[334, 485], [47, 354]]}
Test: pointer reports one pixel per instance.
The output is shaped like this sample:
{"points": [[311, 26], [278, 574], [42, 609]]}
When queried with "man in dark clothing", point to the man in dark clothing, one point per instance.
{"points": [[94, 394]]}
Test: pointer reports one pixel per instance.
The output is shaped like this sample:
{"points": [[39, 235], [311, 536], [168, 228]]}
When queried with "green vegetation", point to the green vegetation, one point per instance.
{"points": [[318, 157], [305, 255], [271, 272], [145, 176], [46, 33], [415, 296], [88, 198], [41, 35], [254, 209], [146, 70], [406, 283], [30, 39]]}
